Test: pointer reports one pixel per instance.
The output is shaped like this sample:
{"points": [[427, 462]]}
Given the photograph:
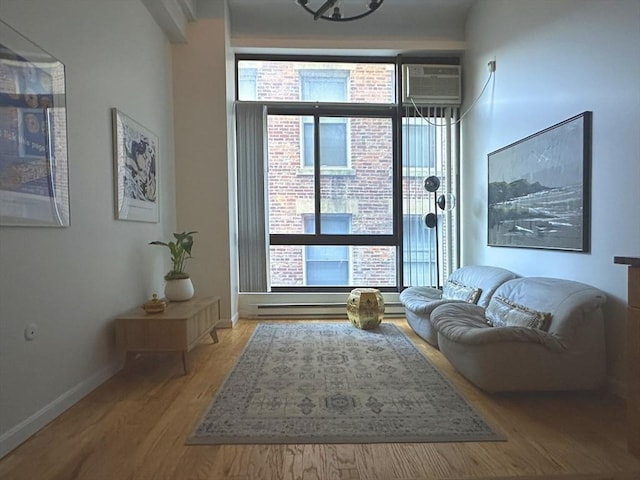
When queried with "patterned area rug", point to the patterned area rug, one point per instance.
{"points": [[333, 383]]}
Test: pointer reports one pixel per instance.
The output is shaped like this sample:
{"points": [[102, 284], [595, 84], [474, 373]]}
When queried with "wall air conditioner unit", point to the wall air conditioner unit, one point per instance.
{"points": [[431, 84]]}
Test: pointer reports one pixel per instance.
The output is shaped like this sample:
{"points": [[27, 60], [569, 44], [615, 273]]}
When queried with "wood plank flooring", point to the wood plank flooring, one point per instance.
{"points": [[134, 427]]}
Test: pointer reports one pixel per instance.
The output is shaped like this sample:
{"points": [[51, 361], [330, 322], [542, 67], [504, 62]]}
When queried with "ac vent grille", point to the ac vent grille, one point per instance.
{"points": [[432, 84]]}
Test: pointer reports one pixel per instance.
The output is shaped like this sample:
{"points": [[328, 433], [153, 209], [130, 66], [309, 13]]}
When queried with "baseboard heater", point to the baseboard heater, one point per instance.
{"points": [[315, 310]]}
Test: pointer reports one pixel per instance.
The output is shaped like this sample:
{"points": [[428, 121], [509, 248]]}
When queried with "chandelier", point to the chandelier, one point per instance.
{"points": [[337, 15]]}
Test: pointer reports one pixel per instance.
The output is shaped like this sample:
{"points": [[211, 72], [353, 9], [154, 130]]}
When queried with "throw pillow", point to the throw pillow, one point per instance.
{"points": [[453, 290], [502, 312]]}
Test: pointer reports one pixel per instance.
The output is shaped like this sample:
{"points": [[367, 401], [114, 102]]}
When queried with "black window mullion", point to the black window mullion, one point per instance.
{"points": [[331, 239], [316, 173]]}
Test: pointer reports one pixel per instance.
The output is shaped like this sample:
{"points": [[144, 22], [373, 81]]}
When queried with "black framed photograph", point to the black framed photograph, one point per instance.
{"points": [[539, 189], [34, 169], [135, 169]]}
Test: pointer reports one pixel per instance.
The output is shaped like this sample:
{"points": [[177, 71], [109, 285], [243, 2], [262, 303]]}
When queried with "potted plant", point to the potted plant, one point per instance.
{"points": [[179, 286]]}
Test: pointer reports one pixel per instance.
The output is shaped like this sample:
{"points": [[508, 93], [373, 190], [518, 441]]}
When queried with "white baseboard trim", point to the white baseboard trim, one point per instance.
{"points": [[25, 429], [227, 322]]}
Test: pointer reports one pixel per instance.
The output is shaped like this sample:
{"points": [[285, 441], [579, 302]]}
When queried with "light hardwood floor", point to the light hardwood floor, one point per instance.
{"points": [[134, 427]]}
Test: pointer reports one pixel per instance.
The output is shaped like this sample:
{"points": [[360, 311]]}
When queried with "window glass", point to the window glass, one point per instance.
{"points": [[419, 265], [327, 265], [366, 265], [418, 144], [247, 83], [319, 81], [333, 143], [324, 85]]}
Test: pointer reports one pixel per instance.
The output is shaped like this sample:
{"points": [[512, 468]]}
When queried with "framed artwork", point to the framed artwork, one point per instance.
{"points": [[135, 170], [34, 170], [539, 189]]}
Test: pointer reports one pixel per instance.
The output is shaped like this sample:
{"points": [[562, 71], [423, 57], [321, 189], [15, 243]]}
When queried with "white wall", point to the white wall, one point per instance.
{"points": [[202, 116], [556, 59], [73, 281]]}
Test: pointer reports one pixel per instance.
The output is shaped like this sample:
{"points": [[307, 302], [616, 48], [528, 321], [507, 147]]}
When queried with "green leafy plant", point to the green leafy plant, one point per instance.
{"points": [[180, 252]]}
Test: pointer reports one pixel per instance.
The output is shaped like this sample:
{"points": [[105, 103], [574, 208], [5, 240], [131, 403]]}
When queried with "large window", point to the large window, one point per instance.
{"points": [[344, 208], [329, 209]]}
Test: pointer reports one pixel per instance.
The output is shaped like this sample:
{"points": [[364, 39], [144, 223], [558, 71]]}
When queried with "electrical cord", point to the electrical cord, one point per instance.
{"points": [[486, 84]]}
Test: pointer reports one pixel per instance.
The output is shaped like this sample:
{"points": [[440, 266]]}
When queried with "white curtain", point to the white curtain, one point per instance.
{"points": [[251, 139]]}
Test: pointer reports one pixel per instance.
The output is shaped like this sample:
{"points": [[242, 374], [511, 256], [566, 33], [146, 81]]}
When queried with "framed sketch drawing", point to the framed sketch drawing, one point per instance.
{"points": [[34, 170], [135, 169], [539, 189]]}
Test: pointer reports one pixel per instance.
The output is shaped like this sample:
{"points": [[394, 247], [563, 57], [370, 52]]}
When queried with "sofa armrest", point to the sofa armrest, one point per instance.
{"points": [[426, 294], [421, 300], [466, 324]]}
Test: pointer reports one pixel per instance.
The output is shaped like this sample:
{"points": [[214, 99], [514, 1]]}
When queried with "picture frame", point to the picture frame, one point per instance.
{"points": [[135, 152], [34, 169], [539, 189]]}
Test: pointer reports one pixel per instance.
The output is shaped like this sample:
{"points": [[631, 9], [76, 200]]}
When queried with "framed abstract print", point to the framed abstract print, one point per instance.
{"points": [[135, 170]]}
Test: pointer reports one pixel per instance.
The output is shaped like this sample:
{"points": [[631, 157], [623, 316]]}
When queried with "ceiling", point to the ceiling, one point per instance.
{"points": [[396, 21]]}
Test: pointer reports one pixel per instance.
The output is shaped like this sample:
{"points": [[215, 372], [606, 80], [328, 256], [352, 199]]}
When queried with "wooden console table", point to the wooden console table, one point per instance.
{"points": [[633, 354], [178, 329]]}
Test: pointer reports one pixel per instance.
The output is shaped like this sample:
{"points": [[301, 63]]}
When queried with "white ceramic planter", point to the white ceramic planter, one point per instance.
{"points": [[179, 290]]}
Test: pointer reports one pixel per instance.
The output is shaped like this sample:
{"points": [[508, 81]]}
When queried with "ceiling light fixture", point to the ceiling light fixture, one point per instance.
{"points": [[337, 15]]}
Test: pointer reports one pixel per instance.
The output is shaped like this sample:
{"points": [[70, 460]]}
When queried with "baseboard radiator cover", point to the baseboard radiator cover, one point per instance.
{"points": [[311, 310]]}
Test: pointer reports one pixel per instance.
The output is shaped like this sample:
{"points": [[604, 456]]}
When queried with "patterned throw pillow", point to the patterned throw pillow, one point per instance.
{"points": [[453, 290], [502, 312]]}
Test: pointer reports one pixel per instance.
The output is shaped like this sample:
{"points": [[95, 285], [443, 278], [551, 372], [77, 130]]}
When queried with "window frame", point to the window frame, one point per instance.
{"points": [[318, 238], [395, 110]]}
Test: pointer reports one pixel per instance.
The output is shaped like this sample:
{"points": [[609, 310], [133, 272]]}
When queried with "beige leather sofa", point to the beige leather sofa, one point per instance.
{"points": [[535, 334], [473, 283]]}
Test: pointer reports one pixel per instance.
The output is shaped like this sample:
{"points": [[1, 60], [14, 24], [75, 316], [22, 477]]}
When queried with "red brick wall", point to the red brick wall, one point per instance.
{"points": [[366, 186]]}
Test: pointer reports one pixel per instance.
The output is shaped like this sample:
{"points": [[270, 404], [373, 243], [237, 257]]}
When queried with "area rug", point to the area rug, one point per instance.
{"points": [[333, 383]]}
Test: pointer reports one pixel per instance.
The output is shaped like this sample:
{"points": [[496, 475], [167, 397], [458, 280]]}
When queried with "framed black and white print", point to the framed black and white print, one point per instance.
{"points": [[135, 170], [539, 189]]}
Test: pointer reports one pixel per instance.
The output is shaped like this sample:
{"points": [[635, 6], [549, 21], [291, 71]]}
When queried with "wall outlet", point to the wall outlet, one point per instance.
{"points": [[31, 331]]}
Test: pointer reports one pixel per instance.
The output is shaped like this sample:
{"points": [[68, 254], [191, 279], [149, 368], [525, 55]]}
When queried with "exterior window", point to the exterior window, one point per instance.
{"points": [[247, 84], [325, 86], [418, 144], [327, 265], [333, 143]]}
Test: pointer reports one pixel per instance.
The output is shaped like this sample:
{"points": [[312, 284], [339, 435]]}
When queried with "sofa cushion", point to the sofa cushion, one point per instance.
{"points": [[453, 290], [502, 312]]}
